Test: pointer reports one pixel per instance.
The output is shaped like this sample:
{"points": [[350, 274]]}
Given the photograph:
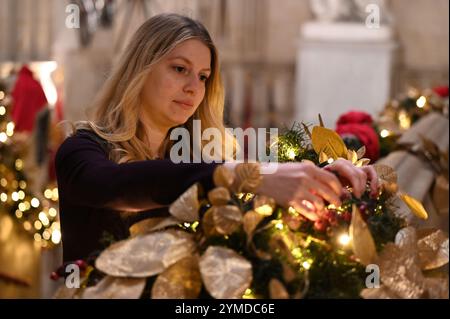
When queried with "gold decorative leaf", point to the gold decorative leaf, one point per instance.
{"points": [[433, 250], [208, 225], [152, 224], [386, 173], [225, 273], [329, 142], [116, 288], [227, 219], [182, 280], [250, 222], [400, 272], [219, 196], [415, 206], [277, 290], [249, 176], [362, 162], [361, 151], [223, 177], [145, 255], [186, 207], [352, 156], [362, 241], [323, 157]]}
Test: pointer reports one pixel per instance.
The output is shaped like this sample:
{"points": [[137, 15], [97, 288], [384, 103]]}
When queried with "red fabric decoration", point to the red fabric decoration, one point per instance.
{"points": [[359, 124], [28, 99], [442, 91]]}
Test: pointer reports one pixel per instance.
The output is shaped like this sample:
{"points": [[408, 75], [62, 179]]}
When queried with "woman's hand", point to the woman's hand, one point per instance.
{"points": [[356, 177], [302, 186]]}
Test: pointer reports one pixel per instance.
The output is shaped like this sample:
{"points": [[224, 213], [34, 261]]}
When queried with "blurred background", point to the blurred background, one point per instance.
{"points": [[282, 61]]}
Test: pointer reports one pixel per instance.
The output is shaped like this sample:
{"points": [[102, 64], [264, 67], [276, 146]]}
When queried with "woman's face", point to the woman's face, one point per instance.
{"points": [[175, 87]]}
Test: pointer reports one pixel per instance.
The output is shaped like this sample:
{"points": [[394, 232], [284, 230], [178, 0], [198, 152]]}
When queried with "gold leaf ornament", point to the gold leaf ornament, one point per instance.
{"points": [[415, 206], [227, 219], [223, 177], [362, 241], [360, 152], [401, 266], [329, 142], [219, 196], [145, 255], [152, 224], [249, 177], [116, 288], [225, 273], [186, 207], [386, 173], [182, 280], [250, 222]]}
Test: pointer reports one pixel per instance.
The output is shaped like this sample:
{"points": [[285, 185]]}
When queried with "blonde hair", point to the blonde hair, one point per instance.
{"points": [[117, 104]]}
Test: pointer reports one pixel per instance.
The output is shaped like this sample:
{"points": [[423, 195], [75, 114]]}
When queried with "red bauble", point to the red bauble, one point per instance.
{"points": [[54, 276]]}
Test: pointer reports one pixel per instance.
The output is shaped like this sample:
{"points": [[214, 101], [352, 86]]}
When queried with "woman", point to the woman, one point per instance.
{"points": [[115, 170]]}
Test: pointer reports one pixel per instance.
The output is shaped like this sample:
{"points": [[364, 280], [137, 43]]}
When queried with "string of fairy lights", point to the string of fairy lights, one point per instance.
{"points": [[399, 114], [37, 213]]}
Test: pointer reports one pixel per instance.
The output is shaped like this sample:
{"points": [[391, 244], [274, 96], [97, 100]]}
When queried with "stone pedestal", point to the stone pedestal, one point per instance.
{"points": [[340, 67]]}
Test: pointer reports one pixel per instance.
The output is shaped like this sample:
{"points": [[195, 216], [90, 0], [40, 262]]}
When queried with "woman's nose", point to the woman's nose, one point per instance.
{"points": [[192, 85]]}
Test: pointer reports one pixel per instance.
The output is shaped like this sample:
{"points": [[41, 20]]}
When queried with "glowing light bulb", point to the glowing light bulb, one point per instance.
{"points": [[384, 133], [265, 210], [56, 236], [291, 154], [344, 239], [35, 202], [52, 212], [421, 101], [3, 137], [306, 265]]}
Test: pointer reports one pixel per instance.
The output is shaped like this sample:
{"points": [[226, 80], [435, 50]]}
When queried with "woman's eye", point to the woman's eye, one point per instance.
{"points": [[180, 69], [203, 78]]}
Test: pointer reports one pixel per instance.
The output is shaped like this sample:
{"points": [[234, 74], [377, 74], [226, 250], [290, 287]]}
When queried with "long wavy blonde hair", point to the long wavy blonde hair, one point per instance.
{"points": [[117, 104]]}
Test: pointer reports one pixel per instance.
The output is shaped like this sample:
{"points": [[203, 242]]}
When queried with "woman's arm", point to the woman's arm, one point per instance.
{"points": [[87, 177]]}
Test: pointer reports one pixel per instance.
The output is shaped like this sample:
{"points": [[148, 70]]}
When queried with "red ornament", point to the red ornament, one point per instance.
{"points": [[442, 91], [81, 263], [54, 276], [359, 124]]}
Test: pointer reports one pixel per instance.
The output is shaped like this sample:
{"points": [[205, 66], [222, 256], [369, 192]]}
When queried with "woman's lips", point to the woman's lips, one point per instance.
{"points": [[185, 104]]}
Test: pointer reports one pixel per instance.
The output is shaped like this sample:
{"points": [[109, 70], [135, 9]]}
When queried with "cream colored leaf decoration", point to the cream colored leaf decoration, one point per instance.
{"points": [[225, 273], [145, 255], [186, 207]]}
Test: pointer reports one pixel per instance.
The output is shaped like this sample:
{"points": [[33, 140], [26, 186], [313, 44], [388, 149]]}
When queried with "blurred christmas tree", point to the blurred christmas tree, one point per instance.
{"points": [[36, 212]]}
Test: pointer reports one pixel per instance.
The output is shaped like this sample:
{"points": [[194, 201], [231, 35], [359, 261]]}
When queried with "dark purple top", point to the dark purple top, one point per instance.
{"points": [[93, 190]]}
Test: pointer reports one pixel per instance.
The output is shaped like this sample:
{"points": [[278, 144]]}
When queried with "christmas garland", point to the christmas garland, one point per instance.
{"points": [[240, 245]]}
